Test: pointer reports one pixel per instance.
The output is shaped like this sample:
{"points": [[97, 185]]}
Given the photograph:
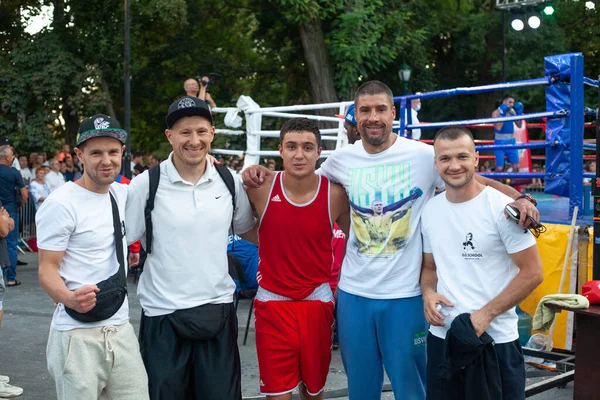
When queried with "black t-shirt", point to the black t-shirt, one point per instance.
{"points": [[9, 179]]}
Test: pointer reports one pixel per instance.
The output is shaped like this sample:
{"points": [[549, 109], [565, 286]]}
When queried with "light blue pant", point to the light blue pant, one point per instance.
{"points": [[383, 333]]}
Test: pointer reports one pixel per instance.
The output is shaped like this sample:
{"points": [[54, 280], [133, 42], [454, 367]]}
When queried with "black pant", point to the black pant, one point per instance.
{"points": [[184, 369], [510, 360]]}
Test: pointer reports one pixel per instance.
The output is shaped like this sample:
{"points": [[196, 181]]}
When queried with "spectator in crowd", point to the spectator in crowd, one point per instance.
{"points": [[415, 107], [36, 162], [44, 160], [271, 164], [247, 253], [77, 173], [38, 188], [32, 160], [191, 89], [152, 160], [138, 169], [590, 167], [65, 152], [54, 178], [68, 170], [136, 158], [350, 125], [26, 173], [6, 225], [77, 163], [11, 183], [15, 162]]}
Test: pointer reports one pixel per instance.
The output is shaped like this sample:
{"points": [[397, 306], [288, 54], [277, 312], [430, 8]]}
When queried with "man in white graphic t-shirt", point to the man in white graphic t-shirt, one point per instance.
{"points": [[92, 349], [380, 319], [477, 261]]}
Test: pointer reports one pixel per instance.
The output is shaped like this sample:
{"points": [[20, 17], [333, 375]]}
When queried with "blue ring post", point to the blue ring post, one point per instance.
{"points": [[576, 126]]}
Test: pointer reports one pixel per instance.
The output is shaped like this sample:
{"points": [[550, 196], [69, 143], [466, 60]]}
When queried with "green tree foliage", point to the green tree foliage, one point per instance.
{"points": [[74, 68]]}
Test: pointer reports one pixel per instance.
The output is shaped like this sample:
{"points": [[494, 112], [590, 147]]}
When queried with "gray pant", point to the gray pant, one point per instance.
{"points": [[97, 363]]}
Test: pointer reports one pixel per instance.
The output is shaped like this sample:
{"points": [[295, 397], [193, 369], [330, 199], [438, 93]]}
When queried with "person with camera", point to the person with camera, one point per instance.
{"points": [[92, 348], [504, 132], [192, 89]]}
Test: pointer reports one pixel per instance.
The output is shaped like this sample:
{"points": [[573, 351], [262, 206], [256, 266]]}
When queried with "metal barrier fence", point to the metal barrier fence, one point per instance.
{"points": [[26, 225]]}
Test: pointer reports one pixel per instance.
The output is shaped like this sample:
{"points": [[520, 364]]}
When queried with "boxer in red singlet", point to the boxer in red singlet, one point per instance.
{"points": [[294, 303]]}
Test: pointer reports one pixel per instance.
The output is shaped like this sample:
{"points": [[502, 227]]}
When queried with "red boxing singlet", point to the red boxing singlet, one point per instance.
{"points": [[295, 242]]}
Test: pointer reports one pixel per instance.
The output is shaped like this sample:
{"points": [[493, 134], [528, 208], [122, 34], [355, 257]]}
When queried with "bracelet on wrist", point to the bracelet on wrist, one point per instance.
{"points": [[529, 198]]}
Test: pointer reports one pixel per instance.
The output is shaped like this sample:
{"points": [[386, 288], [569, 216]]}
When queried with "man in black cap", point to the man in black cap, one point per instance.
{"points": [[81, 230], [188, 332]]}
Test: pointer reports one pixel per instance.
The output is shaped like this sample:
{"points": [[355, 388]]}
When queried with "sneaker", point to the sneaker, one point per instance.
{"points": [[4, 379], [9, 391]]}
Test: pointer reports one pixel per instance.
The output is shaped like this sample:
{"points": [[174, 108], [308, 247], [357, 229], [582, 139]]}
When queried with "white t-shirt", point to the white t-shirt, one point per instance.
{"points": [[387, 192], [79, 222], [188, 266], [27, 175], [54, 180], [471, 243]]}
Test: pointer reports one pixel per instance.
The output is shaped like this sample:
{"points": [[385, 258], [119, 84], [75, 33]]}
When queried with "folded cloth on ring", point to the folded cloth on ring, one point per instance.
{"points": [[544, 315]]}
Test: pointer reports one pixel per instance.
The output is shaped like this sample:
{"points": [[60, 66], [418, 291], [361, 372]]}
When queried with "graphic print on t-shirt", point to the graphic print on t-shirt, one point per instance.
{"points": [[470, 248], [381, 198]]}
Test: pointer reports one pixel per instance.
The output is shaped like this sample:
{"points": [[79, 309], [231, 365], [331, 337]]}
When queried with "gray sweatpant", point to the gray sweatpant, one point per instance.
{"points": [[97, 363]]}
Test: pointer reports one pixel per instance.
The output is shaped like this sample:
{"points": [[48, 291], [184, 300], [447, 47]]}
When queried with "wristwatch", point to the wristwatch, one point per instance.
{"points": [[528, 197]]}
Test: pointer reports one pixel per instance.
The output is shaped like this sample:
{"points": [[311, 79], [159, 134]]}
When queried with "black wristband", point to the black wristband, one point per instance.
{"points": [[529, 198]]}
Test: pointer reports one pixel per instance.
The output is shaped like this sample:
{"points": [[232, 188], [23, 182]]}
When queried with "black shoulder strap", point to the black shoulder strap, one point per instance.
{"points": [[154, 177], [230, 183], [118, 237]]}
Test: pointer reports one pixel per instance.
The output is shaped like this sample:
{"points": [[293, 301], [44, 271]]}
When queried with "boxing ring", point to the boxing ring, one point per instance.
{"points": [[564, 147]]}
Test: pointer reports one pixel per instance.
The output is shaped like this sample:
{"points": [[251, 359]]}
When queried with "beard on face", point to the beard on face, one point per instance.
{"points": [[377, 140]]}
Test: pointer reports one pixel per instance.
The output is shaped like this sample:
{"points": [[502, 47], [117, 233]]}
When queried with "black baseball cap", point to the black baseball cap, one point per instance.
{"points": [[188, 106], [100, 125]]}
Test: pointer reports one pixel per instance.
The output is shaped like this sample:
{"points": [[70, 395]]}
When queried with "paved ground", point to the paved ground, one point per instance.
{"points": [[26, 322]]}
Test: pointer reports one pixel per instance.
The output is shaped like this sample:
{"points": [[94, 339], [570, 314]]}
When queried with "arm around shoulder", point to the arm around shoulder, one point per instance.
{"points": [[340, 208], [137, 196]]}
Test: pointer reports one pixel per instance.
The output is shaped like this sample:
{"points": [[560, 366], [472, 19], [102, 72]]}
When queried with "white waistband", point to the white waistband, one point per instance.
{"points": [[504, 136], [322, 293]]}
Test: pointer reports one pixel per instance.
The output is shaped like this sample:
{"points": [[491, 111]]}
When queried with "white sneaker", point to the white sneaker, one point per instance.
{"points": [[4, 379], [9, 391]]}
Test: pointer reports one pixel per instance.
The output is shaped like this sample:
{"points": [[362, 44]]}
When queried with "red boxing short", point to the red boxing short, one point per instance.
{"points": [[293, 343]]}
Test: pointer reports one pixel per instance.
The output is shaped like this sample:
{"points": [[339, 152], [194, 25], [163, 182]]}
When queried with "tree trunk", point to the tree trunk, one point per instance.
{"points": [[71, 124], [320, 72], [317, 59], [110, 110]]}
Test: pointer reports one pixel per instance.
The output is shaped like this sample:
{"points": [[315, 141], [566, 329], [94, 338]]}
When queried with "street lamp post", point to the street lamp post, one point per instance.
{"points": [[404, 73], [126, 168]]}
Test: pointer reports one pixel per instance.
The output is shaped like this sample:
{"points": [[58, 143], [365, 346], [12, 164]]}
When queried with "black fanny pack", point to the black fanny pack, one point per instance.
{"points": [[113, 290], [200, 323]]}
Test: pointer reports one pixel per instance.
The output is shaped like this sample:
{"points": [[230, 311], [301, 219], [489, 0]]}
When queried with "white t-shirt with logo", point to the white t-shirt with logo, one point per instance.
{"points": [[471, 243], [80, 223], [387, 192]]}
